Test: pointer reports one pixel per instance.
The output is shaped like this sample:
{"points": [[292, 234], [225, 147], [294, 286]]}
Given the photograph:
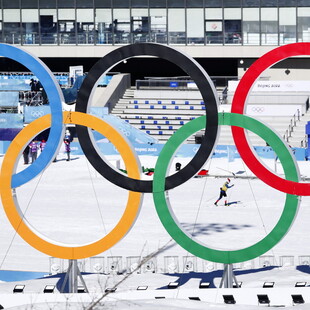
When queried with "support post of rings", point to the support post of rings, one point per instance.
{"points": [[72, 277], [228, 278]]}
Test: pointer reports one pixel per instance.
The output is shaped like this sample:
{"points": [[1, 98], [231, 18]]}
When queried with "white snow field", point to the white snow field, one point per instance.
{"points": [[72, 204]]}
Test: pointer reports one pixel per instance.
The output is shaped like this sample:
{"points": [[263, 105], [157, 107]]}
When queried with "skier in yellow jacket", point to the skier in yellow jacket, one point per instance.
{"points": [[223, 191]]}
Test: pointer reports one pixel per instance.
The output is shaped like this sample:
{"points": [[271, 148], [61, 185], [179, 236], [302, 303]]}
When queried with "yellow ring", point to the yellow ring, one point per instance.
{"points": [[15, 215]]}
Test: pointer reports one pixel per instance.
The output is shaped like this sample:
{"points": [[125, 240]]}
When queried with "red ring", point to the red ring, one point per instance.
{"points": [[238, 106]]}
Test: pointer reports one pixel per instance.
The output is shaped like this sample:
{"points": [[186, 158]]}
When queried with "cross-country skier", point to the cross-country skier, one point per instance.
{"points": [[223, 191]]}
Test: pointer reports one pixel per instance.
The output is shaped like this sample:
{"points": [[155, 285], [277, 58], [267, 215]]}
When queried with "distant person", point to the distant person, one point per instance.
{"points": [[223, 191], [35, 85], [33, 150], [67, 148], [42, 145], [178, 167], [68, 135], [26, 155], [32, 85], [38, 86]]}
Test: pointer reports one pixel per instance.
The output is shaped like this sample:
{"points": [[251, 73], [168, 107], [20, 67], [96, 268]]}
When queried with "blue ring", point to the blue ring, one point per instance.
{"points": [[54, 93]]}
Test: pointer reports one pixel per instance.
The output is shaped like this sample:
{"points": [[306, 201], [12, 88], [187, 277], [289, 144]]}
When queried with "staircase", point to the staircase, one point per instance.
{"points": [[129, 93], [158, 118], [298, 137]]}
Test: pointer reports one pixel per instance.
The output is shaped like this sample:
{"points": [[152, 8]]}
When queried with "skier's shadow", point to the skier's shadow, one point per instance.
{"points": [[203, 229]]}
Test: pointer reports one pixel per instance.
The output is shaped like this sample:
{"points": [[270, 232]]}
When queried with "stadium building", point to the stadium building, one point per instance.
{"points": [[224, 36]]}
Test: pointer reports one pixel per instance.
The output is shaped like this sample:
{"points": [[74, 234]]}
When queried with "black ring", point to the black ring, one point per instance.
{"points": [[204, 84]]}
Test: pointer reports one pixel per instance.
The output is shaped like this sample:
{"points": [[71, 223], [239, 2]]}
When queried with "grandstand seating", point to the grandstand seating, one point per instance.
{"points": [[161, 118]]}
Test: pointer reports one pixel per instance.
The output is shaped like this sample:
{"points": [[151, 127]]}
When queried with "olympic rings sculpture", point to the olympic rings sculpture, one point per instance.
{"points": [[161, 182]]}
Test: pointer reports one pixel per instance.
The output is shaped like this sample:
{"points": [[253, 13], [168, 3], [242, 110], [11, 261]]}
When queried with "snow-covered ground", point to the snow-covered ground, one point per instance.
{"points": [[71, 203]]}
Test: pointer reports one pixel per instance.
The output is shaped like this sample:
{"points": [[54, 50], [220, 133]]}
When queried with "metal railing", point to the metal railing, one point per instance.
{"points": [[304, 142], [293, 123]]}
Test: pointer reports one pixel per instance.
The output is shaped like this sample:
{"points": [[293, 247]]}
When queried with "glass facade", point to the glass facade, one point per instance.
{"points": [[186, 22]]}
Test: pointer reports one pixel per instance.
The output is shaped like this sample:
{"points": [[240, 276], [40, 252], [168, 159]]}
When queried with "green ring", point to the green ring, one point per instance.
{"points": [[187, 241]]}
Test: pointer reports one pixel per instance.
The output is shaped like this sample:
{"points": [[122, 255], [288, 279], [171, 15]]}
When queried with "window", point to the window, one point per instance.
{"points": [[214, 25], [47, 4], [140, 25], [213, 4], [158, 25], [104, 26], [287, 25], [157, 3], [269, 3], [231, 3], [66, 26], [232, 26], [29, 4], [287, 3], [120, 3], [176, 26], [121, 26], [250, 3], [303, 16], [175, 3], [84, 3], [30, 26], [11, 26], [195, 26], [139, 3], [66, 3], [10, 4], [303, 3], [269, 26], [194, 3], [103, 3], [85, 26], [48, 26], [250, 26]]}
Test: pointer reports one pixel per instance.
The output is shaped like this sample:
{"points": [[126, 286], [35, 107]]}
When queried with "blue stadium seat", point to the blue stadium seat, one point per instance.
{"points": [[159, 102], [146, 102], [170, 127], [136, 107], [155, 122], [135, 101], [176, 107], [164, 107], [172, 102], [151, 107], [186, 102], [167, 122], [141, 122], [191, 107], [160, 132], [142, 127], [158, 127], [150, 117]]}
